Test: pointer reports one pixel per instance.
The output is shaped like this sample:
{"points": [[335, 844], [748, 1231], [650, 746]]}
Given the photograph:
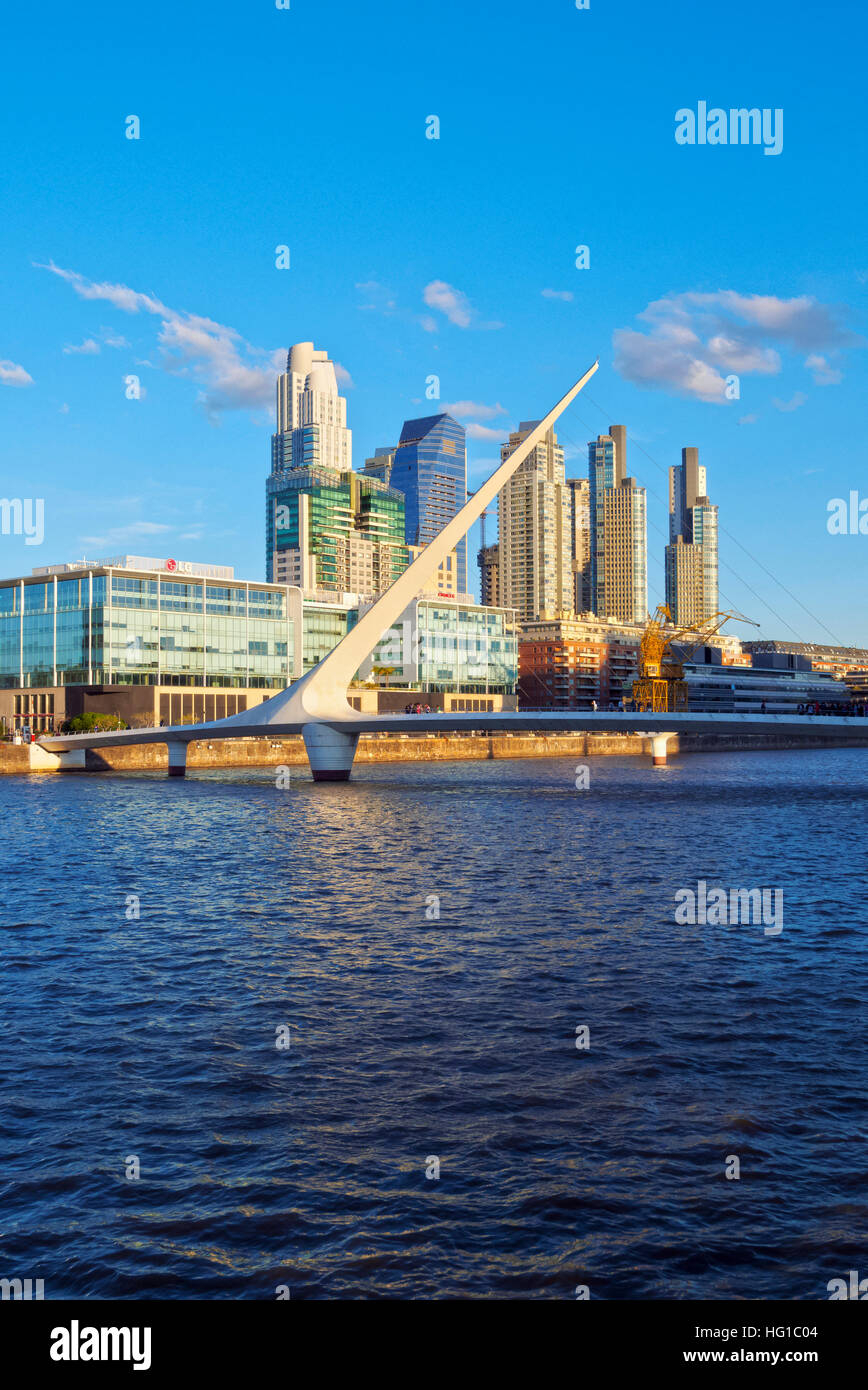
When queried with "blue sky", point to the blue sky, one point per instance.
{"points": [[413, 257]]}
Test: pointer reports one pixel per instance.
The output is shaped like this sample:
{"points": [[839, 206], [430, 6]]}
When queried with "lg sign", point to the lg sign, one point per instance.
{"points": [[182, 566], [171, 564]]}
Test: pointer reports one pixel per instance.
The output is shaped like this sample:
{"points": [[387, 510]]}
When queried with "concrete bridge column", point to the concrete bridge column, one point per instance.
{"points": [[41, 760], [658, 749], [330, 752], [177, 757]]}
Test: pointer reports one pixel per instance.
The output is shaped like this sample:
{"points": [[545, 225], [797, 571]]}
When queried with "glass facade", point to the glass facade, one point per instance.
{"points": [[324, 627], [329, 516], [704, 527], [693, 517], [430, 469], [602, 475], [452, 646], [121, 628]]}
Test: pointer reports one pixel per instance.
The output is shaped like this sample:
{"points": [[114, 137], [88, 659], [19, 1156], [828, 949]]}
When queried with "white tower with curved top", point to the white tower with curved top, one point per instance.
{"points": [[311, 415]]}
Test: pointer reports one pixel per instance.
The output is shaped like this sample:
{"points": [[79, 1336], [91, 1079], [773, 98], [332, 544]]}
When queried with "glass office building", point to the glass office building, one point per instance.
{"points": [[324, 625], [112, 625], [430, 469], [467, 648], [156, 642], [438, 646], [450, 648], [333, 530], [604, 472]]}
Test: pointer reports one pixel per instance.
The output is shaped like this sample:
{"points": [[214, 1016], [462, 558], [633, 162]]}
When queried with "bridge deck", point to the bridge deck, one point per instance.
{"points": [[531, 721]]}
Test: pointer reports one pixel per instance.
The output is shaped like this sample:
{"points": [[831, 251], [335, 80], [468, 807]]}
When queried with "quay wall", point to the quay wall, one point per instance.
{"points": [[385, 748]]}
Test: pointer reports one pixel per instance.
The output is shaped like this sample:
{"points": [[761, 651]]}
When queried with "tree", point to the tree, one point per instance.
{"points": [[92, 723], [382, 673]]}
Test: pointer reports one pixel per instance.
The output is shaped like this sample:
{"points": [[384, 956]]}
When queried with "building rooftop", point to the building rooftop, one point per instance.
{"points": [[817, 650], [140, 562]]}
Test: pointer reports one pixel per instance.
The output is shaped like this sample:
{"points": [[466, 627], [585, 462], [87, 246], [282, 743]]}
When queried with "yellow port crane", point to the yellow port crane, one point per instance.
{"points": [[660, 687]]}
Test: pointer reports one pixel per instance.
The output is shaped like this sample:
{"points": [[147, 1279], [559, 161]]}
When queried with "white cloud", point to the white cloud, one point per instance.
{"points": [[735, 356], [119, 535], [801, 322], [693, 340], [651, 361], [88, 348], [112, 339], [379, 298], [451, 302], [232, 374], [11, 374], [131, 301], [823, 372], [462, 409], [344, 378], [211, 355], [454, 304], [557, 294], [483, 432], [793, 404]]}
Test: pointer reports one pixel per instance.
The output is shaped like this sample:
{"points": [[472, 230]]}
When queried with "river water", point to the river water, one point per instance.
{"points": [[162, 939]]}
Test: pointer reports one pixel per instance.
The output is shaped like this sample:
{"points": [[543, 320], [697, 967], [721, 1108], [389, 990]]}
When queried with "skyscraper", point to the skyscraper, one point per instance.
{"points": [[488, 560], [326, 527], [380, 466], [618, 586], [311, 415], [335, 531], [625, 578], [691, 556], [580, 527], [684, 581], [536, 546], [430, 468]]}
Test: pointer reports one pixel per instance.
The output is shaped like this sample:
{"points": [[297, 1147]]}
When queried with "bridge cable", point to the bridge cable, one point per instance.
{"points": [[744, 548], [665, 504]]}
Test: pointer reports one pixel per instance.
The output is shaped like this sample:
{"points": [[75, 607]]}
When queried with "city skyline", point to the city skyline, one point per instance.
{"points": [[178, 283], [433, 670]]}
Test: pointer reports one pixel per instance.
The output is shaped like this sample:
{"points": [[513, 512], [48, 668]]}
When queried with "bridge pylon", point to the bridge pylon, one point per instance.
{"points": [[318, 701]]}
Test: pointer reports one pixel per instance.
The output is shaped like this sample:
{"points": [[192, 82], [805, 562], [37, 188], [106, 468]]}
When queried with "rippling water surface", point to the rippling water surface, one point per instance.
{"points": [[450, 1038]]}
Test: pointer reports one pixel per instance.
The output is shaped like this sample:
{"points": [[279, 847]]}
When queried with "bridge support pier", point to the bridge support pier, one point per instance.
{"points": [[177, 758], [658, 749], [41, 760], [330, 752]]}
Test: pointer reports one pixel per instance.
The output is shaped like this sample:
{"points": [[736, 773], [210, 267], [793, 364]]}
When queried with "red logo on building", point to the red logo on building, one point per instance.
{"points": [[171, 564]]}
